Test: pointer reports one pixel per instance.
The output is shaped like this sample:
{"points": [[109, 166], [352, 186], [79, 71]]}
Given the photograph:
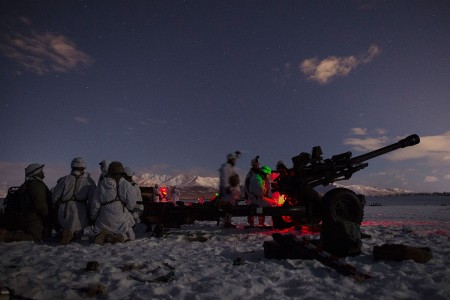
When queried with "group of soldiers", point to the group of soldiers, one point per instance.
{"points": [[109, 207], [257, 187], [112, 206]]}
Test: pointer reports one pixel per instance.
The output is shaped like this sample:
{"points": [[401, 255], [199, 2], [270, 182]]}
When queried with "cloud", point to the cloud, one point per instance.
{"points": [[380, 131], [81, 120], [42, 52], [359, 131], [325, 70], [365, 131], [367, 144], [431, 179]]}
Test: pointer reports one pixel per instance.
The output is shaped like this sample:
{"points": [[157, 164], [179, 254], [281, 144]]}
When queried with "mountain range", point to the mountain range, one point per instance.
{"points": [[194, 187], [181, 181]]}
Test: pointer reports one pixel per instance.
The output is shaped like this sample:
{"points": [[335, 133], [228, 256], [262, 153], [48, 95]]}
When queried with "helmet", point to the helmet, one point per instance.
{"points": [[281, 165], [78, 162], [266, 170], [115, 168], [128, 171], [255, 161], [104, 163], [33, 170], [234, 155]]}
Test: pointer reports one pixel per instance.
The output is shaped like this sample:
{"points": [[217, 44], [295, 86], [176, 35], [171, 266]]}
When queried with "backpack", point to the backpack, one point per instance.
{"points": [[17, 201]]}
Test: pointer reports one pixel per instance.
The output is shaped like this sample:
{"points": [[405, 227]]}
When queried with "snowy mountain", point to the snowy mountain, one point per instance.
{"points": [[210, 185], [191, 187], [182, 181], [373, 191]]}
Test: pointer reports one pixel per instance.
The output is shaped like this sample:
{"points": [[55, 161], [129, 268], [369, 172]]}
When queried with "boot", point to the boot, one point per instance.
{"points": [[100, 238], [4, 235], [228, 225], [66, 237], [251, 221], [114, 238], [17, 236], [262, 221], [158, 231], [227, 222]]}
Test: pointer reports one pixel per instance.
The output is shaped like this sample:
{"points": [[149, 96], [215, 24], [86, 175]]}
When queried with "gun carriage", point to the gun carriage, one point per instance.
{"points": [[302, 205]]}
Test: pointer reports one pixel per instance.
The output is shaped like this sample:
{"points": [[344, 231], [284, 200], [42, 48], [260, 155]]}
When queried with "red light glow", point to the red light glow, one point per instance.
{"points": [[278, 199]]}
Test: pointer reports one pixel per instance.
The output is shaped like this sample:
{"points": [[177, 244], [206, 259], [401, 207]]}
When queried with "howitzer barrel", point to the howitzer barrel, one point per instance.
{"points": [[406, 142]]}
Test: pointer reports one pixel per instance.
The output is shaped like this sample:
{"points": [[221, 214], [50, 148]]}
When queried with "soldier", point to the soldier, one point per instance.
{"points": [[32, 221], [253, 170], [226, 171], [104, 164], [139, 208], [229, 184], [114, 199], [175, 194], [72, 197], [259, 190], [157, 195]]}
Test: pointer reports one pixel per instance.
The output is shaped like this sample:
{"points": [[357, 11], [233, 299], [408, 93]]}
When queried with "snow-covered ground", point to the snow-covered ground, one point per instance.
{"points": [[202, 261]]}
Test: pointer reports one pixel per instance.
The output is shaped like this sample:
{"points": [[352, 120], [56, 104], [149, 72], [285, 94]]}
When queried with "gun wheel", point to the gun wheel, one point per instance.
{"points": [[342, 204]]}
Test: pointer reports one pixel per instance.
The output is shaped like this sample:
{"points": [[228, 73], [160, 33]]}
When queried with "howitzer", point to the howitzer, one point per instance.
{"points": [[313, 170]]}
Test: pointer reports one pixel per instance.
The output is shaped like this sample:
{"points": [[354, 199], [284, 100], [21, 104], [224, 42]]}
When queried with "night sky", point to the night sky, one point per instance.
{"points": [[172, 87]]}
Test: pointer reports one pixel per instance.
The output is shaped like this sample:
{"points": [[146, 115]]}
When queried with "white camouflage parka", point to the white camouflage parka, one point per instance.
{"points": [[225, 172], [72, 196], [258, 189], [111, 207]]}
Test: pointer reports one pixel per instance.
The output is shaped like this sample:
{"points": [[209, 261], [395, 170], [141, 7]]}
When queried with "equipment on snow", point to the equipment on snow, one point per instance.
{"points": [[288, 246], [398, 252]]}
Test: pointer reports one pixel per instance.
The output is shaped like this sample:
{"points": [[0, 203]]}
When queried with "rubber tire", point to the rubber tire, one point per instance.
{"points": [[341, 204]]}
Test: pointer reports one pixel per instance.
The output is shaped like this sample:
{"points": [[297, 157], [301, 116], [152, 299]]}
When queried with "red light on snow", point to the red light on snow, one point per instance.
{"points": [[286, 219], [308, 230]]}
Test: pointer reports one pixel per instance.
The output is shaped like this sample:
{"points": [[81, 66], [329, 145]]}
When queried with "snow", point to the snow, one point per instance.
{"points": [[203, 261]]}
